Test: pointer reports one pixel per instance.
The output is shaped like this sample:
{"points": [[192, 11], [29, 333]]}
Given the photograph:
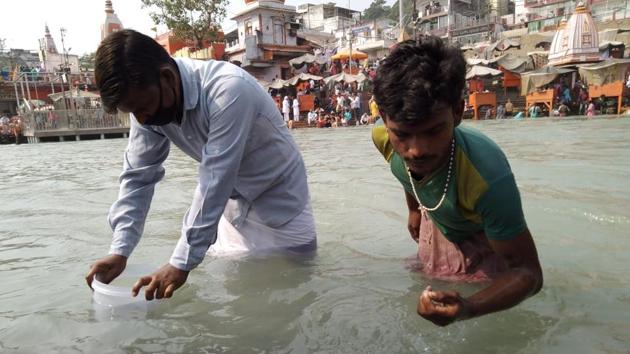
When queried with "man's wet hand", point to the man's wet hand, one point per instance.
{"points": [[443, 307], [107, 268], [162, 283]]}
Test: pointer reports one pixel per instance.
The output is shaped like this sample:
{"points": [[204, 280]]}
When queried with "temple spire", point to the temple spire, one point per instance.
{"points": [[109, 8], [112, 23], [49, 42]]}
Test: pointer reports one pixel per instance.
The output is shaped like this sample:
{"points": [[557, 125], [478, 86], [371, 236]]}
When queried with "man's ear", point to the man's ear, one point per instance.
{"points": [[458, 113], [168, 73], [170, 77]]}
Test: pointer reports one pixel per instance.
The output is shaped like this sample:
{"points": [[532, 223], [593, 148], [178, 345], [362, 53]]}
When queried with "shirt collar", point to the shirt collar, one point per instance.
{"points": [[190, 83]]}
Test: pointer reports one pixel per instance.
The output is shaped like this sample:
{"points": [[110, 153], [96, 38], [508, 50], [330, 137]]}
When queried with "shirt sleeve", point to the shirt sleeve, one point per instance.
{"points": [[500, 209], [229, 128], [142, 169], [381, 141]]}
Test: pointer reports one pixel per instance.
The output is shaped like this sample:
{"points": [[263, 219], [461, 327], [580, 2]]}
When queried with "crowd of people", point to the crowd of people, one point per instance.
{"points": [[568, 101], [343, 108], [334, 104], [10, 129]]}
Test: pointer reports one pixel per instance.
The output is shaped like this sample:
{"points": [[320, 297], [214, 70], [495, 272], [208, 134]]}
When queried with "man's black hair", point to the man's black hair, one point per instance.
{"points": [[417, 75], [127, 59]]}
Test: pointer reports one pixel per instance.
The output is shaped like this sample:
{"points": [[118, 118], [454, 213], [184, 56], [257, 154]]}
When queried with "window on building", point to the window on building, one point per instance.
{"points": [[278, 31], [586, 40], [248, 27]]}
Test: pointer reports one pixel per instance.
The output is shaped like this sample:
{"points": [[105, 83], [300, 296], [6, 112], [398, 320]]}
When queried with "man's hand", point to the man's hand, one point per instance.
{"points": [[413, 224], [443, 307], [162, 283], [107, 268]]}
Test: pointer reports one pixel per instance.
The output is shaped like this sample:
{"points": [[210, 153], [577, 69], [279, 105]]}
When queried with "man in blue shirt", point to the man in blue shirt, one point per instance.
{"points": [[252, 192]]}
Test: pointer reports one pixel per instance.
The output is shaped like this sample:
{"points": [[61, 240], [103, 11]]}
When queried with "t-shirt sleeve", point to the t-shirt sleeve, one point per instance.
{"points": [[381, 141], [501, 210]]}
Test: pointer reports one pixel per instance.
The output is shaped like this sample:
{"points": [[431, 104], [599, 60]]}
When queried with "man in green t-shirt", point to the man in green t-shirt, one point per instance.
{"points": [[464, 206]]}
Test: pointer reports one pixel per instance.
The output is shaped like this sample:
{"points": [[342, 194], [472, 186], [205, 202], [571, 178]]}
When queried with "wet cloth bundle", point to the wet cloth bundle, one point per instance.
{"points": [[253, 236]]}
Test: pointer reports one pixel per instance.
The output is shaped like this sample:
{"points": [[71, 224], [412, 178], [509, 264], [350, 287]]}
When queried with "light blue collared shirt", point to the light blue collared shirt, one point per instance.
{"points": [[233, 128]]}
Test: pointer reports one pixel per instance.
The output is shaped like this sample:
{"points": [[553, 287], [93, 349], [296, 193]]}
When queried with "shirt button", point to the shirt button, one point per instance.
{"points": [[189, 137]]}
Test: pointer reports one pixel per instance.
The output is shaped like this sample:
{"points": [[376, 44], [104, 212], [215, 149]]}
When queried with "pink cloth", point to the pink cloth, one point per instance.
{"points": [[470, 260], [590, 111]]}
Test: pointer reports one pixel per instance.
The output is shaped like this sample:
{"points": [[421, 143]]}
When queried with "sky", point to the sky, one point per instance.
{"points": [[23, 21]]}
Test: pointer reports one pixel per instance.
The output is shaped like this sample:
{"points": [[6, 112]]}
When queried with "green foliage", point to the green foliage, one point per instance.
{"points": [[377, 10], [196, 20], [86, 61]]}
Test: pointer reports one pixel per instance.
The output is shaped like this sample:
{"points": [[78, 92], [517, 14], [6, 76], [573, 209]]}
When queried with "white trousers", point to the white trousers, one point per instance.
{"points": [[252, 236]]}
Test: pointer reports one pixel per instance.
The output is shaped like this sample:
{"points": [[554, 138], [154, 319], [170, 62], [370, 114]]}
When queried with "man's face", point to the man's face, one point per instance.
{"points": [[153, 104], [425, 146]]}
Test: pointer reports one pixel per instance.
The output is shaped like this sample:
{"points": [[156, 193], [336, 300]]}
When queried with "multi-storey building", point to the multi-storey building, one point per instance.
{"points": [[265, 39], [545, 15], [463, 21], [327, 17], [372, 37]]}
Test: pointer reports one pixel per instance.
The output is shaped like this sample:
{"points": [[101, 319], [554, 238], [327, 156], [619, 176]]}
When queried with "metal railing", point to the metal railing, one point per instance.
{"points": [[85, 78], [432, 10], [72, 120]]}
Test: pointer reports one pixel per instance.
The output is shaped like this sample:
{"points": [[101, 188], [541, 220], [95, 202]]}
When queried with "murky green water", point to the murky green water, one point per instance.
{"points": [[356, 295]]}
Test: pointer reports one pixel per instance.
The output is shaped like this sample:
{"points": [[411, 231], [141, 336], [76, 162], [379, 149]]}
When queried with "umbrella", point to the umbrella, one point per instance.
{"points": [[276, 84], [482, 71], [476, 61], [345, 54], [302, 77], [308, 58], [481, 45], [345, 78]]}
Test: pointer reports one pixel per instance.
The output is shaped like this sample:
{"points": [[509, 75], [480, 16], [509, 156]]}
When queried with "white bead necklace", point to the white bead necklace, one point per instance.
{"points": [[448, 179]]}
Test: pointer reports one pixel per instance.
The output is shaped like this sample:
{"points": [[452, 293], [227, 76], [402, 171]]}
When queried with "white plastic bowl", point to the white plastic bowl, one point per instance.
{"points": [[114, 300]]}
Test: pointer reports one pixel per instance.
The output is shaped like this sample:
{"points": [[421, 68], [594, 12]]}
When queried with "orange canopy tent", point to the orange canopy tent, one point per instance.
{"points": [[345, 54]]}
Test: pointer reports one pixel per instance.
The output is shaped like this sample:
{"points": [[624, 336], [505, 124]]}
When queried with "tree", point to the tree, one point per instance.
{"points": [[86, 61], [196, 20], [377, 10]]}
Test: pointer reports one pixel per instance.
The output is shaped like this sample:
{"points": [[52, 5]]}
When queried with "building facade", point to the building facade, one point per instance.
{"points": [[545, 15], [265, 39], [373, 37], [327, 17], [463, 21], [52, 60]]}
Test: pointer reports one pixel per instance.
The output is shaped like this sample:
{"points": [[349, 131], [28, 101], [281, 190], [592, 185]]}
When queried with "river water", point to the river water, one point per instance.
{"points": [[355, 295]]}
